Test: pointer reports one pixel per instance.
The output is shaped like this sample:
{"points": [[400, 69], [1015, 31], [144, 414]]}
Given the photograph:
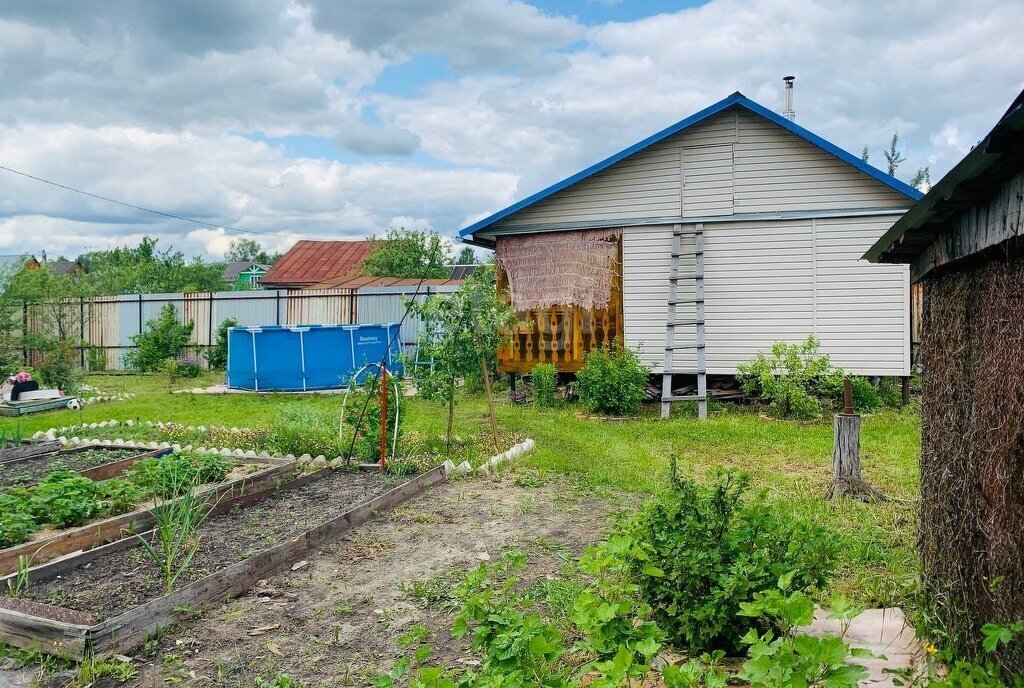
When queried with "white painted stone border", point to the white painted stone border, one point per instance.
{"points": [[307, 463], [522, 449]]}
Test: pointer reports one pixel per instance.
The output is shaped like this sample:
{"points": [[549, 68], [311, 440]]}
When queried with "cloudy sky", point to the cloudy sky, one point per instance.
{"points": [[339, 118]]}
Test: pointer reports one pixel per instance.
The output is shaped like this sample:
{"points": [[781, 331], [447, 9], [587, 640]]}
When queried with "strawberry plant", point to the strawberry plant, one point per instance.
{"points": [[16, 521], [65, 499]]}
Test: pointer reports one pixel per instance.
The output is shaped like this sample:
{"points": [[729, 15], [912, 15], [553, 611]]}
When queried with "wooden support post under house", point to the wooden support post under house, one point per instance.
{"points": [[905, 390], [846, 477]]}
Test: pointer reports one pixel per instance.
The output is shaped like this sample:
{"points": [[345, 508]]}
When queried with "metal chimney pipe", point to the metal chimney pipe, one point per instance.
{"points": [[789, 113]]}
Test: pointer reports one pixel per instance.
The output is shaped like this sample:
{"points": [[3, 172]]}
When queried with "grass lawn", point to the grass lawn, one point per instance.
{"points": [[790, 462]]}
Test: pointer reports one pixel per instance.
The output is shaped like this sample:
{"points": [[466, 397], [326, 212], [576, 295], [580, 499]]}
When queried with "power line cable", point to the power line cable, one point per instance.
{"points": [[144, 209]]}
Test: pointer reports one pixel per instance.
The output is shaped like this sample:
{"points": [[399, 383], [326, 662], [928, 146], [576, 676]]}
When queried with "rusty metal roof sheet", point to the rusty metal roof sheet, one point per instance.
{"points": [[310, 262]]}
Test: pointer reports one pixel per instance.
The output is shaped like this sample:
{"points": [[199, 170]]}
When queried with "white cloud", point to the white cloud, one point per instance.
{"points": [[168, 108]]}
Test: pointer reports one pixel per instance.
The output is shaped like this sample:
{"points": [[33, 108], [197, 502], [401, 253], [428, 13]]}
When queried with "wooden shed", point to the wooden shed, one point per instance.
{"points": [[771, 221], [964, 243]]}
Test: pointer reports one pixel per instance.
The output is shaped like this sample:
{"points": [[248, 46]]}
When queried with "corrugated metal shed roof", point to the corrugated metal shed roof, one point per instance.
{"points": [[310, 262], [367, 281], [999, 156], [737, 99]]}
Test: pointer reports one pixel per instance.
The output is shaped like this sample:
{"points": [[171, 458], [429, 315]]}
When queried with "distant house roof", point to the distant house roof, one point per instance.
{"points": [[65, 267], [14, 262], [311, 262], [737, 99], [997, 158], [233, 270], [369, 281], [461, 272]]}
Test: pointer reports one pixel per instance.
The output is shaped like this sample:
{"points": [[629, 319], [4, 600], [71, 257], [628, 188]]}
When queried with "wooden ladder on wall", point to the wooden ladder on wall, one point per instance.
{"points": [[674, 325]]}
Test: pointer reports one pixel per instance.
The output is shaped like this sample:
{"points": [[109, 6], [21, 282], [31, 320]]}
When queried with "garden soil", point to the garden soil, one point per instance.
{"points": [[335, 619]]}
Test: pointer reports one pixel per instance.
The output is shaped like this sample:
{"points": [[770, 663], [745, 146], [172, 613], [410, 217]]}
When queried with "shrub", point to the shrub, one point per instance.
{"points": [[217, 355], [163, 338], [545, 381], [699, 553], [59, 368], [792, 379], [65, 499], [891, 392], [612, 380]]}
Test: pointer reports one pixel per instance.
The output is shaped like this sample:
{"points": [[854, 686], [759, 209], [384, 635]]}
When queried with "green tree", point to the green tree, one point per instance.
{"points": [[249, 251], [41, 312], [165, 337], [408, 253], [893, 156], [922, 179], [466, 256], [145, 269], [460, 330]]}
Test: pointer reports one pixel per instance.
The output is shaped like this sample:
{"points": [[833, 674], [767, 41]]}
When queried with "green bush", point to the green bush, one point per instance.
{"points": [[65, 499], [612, 380], [164, 338], [59, 368], [217, 355], [545, 381], [792, 379], [890, 390], [699, 553]]}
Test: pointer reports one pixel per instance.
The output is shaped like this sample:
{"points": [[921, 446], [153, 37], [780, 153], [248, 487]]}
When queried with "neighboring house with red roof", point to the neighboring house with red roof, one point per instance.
{"points": [[312, 262]]}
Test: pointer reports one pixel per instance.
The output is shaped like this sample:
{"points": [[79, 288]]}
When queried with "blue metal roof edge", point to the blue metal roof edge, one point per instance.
{"points": [[736, 98]]}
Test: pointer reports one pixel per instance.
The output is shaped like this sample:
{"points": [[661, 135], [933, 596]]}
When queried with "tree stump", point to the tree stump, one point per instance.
{"points": [[846, 478]]}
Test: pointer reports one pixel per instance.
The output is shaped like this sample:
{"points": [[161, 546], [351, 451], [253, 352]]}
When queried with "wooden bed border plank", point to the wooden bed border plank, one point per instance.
{"points": [[88, 536]]}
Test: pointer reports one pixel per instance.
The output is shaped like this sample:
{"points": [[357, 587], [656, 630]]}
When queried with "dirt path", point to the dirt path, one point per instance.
{"points": [[334, 620]]}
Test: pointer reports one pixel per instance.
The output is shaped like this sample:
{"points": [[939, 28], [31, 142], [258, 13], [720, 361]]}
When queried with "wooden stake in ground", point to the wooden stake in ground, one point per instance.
{"points": [[487, 384], [846, 478]]}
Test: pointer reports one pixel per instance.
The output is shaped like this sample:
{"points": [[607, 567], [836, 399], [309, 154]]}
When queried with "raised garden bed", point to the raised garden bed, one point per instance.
{"points": [[47, 544], [27, 449], [97, 462], [107, 600]]}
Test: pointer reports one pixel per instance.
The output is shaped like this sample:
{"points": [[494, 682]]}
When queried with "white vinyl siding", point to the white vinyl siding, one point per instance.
{"points": [[779, 171], [771, 281], [733, 162], [863, 309], [707, 180]]}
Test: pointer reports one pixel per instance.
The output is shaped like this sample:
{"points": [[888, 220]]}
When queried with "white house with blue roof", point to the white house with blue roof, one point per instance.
{"points": [[784, 217]]}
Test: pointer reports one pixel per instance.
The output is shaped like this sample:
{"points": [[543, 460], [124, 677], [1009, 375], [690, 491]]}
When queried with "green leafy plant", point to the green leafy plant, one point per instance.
{"points": [[164, 338], [545, 381], [462, 333], [279, 681], [65, 499], [302, 429], [19, 584], [217, 355], [612, 380], [792, 378], [118, 495], [176, 538], [784, 657], [699, 552], [166, 475]]}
